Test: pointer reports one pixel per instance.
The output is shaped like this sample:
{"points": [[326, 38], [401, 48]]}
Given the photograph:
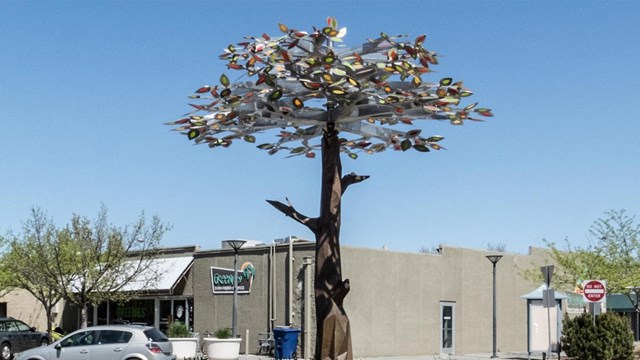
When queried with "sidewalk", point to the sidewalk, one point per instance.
{"points": [[506, 355]]}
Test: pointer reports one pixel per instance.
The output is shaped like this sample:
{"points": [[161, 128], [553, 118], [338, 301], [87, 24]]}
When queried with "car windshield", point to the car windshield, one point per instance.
{"points": [[156, 335]]}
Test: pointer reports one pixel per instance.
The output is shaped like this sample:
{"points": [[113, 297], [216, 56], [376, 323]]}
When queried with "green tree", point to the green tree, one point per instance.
{"points": [[86, 262], [613, 254], [25, 258]]}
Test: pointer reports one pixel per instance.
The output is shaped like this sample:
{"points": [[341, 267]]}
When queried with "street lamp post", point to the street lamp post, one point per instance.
{"points": [[235, 245], [494, 260]]}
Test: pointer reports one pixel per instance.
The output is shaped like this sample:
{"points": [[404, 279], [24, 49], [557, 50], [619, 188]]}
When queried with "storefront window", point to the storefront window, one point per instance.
{"points": [[133, 312]]}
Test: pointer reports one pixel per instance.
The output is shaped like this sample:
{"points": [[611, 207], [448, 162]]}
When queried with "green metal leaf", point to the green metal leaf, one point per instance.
{"points": [[224, 80], [405, 145], [250, 138], [353, 156], [298, 150], [275, 95], [446, 81], [435, 138], [193, 133], [265, 146], [421, 148]]}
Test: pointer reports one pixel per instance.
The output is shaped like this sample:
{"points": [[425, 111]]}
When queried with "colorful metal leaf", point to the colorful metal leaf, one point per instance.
{"points": [[275, 95], [294, 78], [484, 112], [266, 146], [297, 103], [224, 80], [421, 148], [193, 133], [434, 138], [446, 81], [405, 145], [413, 133]]}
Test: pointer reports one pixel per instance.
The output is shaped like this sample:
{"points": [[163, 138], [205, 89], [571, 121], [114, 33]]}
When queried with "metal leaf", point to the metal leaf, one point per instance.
{"points": [[421, 148], [446, 81], [224, 80], [193, 133], [265, 146], [405, 145]]}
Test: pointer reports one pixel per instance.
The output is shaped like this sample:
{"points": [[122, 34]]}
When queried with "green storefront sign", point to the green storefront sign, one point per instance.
{"points": [[222, 279]]}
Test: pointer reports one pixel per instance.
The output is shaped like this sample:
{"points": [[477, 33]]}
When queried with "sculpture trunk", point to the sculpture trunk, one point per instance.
{"points": [[333, 337]]}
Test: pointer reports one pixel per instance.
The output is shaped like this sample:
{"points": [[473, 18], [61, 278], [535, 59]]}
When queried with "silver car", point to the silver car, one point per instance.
{"points": [[106, 342]]}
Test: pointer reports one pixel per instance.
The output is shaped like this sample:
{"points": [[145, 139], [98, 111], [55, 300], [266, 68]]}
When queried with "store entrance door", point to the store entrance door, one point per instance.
{"points": [[176, 310], [447, 317]]}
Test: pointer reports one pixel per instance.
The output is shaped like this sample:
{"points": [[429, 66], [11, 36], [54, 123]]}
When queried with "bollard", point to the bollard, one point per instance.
{"points": [[246, 342]]}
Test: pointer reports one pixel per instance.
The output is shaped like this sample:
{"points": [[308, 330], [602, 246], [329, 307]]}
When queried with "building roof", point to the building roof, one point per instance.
{"points": [[171, 270], [537, 294]]}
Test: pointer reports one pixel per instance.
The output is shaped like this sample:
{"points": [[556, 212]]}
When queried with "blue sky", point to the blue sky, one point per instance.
{"points": [[85, 88]]}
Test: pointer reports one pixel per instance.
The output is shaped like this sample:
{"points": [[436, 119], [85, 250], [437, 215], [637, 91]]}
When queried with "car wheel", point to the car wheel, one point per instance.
{"points": [[5, 351]]}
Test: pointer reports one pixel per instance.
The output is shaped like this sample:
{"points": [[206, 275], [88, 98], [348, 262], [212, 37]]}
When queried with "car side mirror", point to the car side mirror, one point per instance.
{"points": [[32, 329], [58, 346]]}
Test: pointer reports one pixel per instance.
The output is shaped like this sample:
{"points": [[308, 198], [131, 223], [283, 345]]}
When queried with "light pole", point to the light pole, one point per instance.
{"points": [[235, 245], [494, 260]]}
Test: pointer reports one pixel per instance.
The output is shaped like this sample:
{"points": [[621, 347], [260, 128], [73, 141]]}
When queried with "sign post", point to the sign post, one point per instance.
{"points": [[548, 297]]}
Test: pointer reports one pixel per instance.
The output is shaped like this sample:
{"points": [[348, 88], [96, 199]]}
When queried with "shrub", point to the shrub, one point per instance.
{"points": [[178, 330], [609, 338], [223, 333]]}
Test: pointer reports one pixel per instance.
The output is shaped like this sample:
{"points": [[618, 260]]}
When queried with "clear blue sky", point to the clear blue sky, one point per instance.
{"points": [[86, 85]]}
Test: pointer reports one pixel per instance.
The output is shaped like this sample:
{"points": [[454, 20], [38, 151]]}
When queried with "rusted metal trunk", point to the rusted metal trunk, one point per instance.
{"points": [[333, 337]]}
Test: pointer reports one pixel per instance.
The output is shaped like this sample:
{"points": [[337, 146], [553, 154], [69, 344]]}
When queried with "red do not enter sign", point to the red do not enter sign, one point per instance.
{"points": [[594, 290]]}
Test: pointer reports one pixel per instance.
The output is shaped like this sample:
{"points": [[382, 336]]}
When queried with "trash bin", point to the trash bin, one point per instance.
{"points": [[286, 342]]}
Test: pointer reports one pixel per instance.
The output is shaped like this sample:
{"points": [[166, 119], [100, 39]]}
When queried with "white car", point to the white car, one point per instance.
{"points": [[106, 342]]}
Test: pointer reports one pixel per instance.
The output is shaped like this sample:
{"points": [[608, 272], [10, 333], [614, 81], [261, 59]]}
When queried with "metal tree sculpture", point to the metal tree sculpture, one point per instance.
{"points": [[305, 83]]}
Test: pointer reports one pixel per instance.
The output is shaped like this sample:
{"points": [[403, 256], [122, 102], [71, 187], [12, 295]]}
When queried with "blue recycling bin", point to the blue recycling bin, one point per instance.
{"points": [[286, 342]]}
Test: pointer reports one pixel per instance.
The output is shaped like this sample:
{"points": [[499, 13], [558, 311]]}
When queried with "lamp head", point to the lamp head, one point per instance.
{"points": [[235, 244], [494, 258]]}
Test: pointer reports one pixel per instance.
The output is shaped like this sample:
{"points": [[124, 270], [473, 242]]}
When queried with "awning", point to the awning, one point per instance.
{"points": [[171, 270], [621, 303]]}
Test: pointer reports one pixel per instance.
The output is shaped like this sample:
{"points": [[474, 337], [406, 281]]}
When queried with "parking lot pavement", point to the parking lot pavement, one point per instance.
{"points": [[504, 356]]}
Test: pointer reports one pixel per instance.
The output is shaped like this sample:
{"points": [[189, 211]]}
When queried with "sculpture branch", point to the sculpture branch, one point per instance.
{"points": [[289, 210], [350, 179]]}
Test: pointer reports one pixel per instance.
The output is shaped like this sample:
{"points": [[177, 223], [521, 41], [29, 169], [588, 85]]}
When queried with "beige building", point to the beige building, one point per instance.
{"points": [[20, 304], [400, 304]]}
